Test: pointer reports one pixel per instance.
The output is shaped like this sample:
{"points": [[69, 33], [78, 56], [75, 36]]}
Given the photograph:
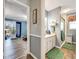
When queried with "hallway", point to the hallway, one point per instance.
{"points": [[15, 49]]}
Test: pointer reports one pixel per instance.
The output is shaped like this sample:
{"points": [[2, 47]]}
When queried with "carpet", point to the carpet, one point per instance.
{"points": [[55, 53], [69, 46]]}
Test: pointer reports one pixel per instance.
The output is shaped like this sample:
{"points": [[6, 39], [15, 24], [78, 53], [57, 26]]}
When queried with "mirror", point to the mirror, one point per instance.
{"points": [[62, 29], [50, 23]]}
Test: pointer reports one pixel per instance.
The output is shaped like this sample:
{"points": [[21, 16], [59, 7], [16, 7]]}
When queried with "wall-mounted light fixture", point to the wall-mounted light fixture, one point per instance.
{"points": [[71, 18]]}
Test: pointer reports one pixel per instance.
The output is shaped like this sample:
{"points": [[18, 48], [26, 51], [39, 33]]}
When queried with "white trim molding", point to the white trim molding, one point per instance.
{"points": [[62, 44], [35, 35], [28, 28]]}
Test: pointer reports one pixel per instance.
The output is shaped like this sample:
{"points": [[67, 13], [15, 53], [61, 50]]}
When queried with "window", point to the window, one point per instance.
{"points": [[72, 25]]}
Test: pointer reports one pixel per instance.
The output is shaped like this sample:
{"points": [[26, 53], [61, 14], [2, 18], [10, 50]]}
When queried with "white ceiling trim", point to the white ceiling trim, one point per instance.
{"points": [[20, 3]]}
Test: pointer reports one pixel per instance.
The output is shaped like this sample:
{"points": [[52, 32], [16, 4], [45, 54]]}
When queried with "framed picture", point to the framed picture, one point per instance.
{"points": [[35, 16]]}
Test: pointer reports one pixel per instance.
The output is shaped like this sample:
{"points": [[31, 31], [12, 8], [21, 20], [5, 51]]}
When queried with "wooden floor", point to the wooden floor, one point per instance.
{"points": [[29, 56], [15, 49], [69, 54]]}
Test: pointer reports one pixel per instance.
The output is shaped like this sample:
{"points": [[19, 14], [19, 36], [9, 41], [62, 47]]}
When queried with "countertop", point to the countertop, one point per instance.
{"points": [[49, 35]]}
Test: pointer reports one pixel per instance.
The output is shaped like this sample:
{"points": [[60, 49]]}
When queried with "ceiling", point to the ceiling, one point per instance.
{"points": [[64, 4], [14, 10]]}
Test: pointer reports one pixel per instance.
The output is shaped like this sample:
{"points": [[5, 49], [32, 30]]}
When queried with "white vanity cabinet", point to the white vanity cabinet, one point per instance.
{"points": [[50, 42]]}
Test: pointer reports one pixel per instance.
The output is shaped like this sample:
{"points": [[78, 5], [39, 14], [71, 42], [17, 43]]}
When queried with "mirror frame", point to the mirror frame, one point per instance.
{"points": [[62, 19]]}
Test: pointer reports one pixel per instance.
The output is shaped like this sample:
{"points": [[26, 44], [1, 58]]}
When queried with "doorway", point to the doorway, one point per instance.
{"points": [[16, 48], [18, 29]]}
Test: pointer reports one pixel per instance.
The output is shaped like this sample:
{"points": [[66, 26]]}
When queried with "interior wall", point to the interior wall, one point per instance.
{"points": [[46, 20], [35, 46], [35, 29], [55, 15], [24, 29]]}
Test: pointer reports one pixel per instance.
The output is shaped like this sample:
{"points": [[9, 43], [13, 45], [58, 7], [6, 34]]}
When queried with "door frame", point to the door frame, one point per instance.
{"points": [[28, 29]]}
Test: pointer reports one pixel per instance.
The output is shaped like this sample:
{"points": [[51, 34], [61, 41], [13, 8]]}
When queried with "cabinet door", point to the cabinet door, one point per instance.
{"points": [[49, 43], [46, 45], [53, 41]]}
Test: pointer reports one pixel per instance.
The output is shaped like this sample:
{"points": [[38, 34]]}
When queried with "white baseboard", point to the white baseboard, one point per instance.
{"points": [[62, 44], [35, 35], [33, 55], [57, 47]]}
